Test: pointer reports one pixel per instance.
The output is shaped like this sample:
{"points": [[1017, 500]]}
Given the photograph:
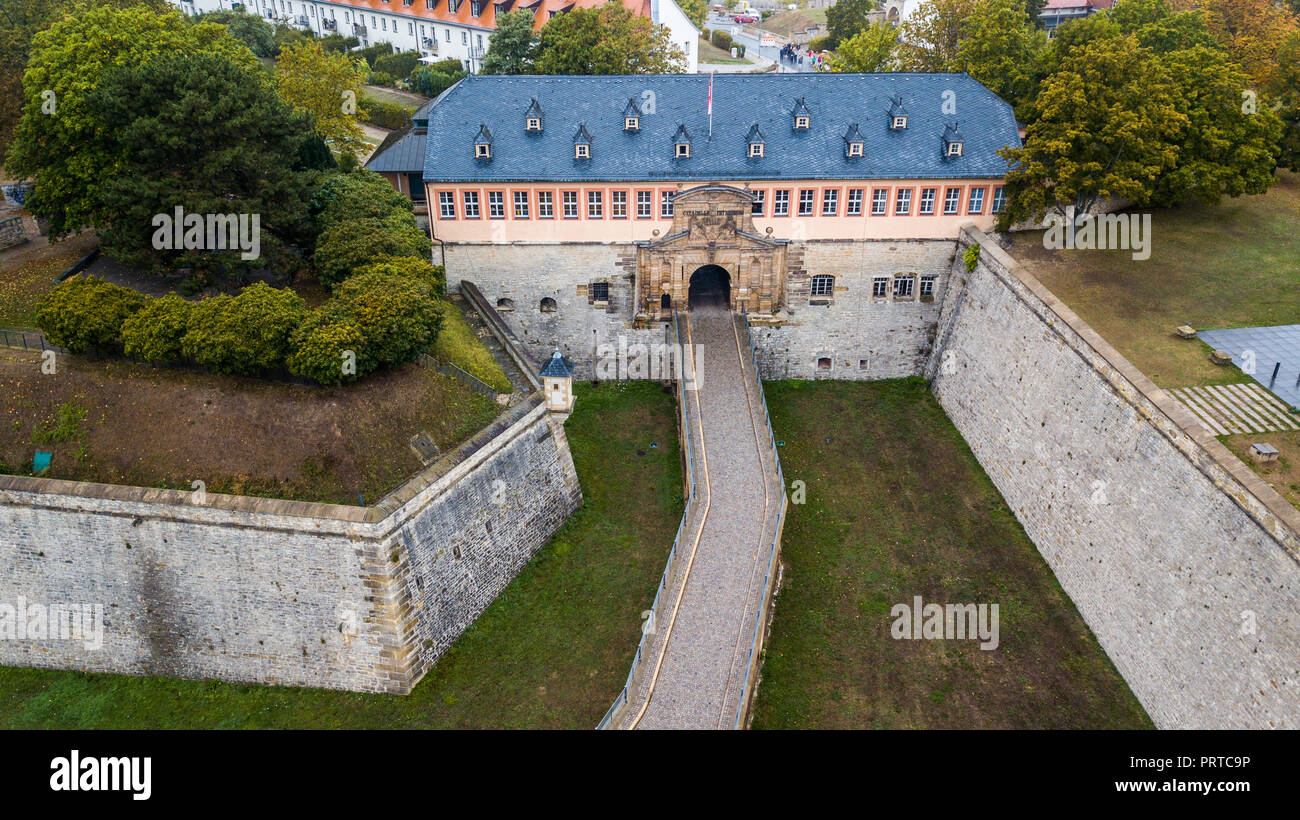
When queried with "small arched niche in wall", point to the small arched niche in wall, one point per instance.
{"points": [[547, 305], [505, 305]]}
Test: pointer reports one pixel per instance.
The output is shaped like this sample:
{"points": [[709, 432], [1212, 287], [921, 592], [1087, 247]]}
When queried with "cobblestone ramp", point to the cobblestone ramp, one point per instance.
{"points": [[700, 661]]}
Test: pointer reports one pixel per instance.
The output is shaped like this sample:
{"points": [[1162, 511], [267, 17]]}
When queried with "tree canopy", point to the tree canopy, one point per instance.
{"points": [[513, 46], [327, 86], [608, 39]]}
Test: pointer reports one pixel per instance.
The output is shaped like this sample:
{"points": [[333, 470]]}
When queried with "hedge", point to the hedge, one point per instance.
{"points": [[386, 114], [246, 334], [721, 39], [86, 313], [154, 333], [347, 246]]}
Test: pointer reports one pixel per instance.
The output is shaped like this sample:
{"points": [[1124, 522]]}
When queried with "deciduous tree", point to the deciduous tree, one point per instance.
{"points": [[513, 45], [870, 50], [608, 39], [846, 19], [328, 87]]}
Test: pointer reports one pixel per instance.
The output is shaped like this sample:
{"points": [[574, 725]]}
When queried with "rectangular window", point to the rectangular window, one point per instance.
{"points": [[999, 200], [449, 35], [806, 201], [595, 204], [545, 205], [599, 291], [855, 202], [446, 205], [879, 201], [831, 202], [781, 203], [927, 201], [666, 204], [521, 204], [644, 204], [464, 38], [903, 287], [757, 209], [903, 202], [880, 287], [618, 204], [952, 201], [570, 199], [471, 204], [496, 204], [927, 285], [976, 203]]}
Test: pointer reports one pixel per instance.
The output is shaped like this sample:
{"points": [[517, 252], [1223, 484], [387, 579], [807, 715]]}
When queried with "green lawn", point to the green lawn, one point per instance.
{"points": [[897, 506], [709, 53], [27, 273], [1236, 264], [551, 652]]}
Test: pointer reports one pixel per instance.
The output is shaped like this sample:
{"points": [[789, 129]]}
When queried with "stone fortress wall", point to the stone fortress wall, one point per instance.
{"points": [[1183, 562], [280, 592]]}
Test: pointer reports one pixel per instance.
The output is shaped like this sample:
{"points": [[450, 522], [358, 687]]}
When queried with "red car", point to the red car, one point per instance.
{"points": [[744, 18]]}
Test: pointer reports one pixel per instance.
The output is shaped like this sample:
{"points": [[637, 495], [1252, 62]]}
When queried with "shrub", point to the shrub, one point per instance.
{"points": [[432, 80], [385, 114], [356, 195], [347, 246], [381, 78], [154, 333], [373, 53], [338, 43], [286, 36], [721, 39], [398, 317], [244, 334], [820, 44], [86, 313], [320, 348], [740, 49], [399, 65], [409, 267]]}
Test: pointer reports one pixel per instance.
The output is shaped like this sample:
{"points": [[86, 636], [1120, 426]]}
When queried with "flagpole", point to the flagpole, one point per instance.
{"points": [[710, 105]]}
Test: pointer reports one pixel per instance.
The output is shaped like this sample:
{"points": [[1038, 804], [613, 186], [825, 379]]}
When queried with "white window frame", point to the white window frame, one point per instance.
{"points": [[853, 205], [521, 204], [879, 201]]}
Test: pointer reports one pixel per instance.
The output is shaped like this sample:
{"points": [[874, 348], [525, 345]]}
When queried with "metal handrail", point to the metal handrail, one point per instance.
{"points": [[622, 700], [780, 521]]}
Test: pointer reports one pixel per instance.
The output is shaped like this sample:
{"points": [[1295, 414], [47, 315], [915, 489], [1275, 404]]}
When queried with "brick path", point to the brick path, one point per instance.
{"points": [[698, 660]]}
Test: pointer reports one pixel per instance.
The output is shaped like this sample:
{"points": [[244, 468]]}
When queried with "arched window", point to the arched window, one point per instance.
{"points": [[505, 304], [824, 363], [547, 305], [823, 285], [666, 302]]}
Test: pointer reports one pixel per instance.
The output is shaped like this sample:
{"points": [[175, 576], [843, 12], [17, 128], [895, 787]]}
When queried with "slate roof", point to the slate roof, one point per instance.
{"points": [[558, 367], [402, 152], [670, 101]]}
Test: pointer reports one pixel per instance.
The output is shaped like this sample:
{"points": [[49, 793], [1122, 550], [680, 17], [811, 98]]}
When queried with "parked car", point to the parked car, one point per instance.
{"points": [[745, 18]]}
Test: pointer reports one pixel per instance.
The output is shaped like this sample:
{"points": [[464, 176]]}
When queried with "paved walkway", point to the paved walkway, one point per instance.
{"points": [[697, 665], [1226, 409]]}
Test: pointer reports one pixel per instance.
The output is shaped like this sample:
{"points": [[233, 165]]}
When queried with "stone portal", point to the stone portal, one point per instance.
{"points": [[713, 230]]}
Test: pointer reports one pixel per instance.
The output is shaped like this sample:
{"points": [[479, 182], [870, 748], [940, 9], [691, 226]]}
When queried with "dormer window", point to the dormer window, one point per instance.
{"points": [[533, 117], [952, 141], [582, 143], [632, 115], [755, 141], [853, 142], [802, 116], [483, 143], [682, 143], [897, 114]]}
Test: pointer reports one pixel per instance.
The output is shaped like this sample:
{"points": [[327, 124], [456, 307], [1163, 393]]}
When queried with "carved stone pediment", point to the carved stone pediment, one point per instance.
{"points": [[712, 225]]}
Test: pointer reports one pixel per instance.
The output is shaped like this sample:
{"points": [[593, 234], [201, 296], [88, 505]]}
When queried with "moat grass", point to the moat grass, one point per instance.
{"points": [[1235, 264], [897, 506], [551, 652]]}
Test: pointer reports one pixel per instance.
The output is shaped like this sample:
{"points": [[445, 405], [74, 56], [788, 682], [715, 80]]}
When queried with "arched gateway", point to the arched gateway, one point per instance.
{"points": [[712, 246]]}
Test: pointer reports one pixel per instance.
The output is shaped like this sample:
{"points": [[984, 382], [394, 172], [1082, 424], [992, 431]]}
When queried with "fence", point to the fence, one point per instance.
{"points": [[27, 340], [776, 540], [621, 701]]}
